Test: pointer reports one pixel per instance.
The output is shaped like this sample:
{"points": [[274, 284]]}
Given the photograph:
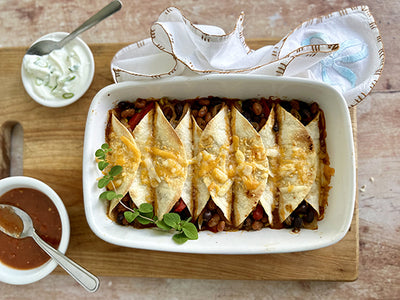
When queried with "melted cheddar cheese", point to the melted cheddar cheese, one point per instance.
{"points": [[167, 164], [250, 160]]}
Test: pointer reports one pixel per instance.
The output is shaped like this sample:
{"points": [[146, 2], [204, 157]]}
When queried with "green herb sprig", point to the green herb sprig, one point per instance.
{"points": [[183, 230], [101, 155]]}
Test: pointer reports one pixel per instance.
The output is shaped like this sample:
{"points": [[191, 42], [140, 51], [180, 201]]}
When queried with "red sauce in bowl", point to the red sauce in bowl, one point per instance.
{"points": [[10, 221], [25, 253]]}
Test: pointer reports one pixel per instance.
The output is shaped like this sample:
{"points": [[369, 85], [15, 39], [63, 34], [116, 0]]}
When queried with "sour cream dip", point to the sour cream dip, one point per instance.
{"points": [[63, 75]]}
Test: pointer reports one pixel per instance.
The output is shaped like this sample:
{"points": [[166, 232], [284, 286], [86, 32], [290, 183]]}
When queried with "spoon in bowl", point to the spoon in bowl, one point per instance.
{"points": [[46, 46], [10, 224]]}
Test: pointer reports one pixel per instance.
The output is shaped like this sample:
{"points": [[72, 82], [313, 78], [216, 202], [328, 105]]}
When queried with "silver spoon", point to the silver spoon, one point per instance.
{"points": [[46, 46], [82, 276]]}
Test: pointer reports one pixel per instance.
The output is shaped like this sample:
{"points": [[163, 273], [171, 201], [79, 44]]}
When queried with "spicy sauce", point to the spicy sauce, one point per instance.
{"points": [[25, 253], [10, 221]]}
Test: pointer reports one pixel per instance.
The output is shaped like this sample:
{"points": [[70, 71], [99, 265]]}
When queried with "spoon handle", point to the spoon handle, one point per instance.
{"points": [[105, 12], [81, 275]]}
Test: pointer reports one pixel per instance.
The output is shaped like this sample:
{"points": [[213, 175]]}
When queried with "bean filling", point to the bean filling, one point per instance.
{"points": [[212, 218], [257, 220], [302, 215]]}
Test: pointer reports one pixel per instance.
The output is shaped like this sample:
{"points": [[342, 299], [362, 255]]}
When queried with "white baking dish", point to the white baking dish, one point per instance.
{"points": [[340, 147]]}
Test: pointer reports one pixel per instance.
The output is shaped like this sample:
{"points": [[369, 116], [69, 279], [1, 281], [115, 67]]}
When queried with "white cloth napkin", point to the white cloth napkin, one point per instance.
{"points": [[343, 49]]}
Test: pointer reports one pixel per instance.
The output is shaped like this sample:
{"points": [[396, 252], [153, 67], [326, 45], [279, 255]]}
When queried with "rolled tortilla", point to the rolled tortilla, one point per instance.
{"points": [[185, 132], [252, 167], [268, 200], [141, 190], [318, 195], [314, 194], [297, 170], [170, 164], [214, 148], [201, 194], [126, 154]]}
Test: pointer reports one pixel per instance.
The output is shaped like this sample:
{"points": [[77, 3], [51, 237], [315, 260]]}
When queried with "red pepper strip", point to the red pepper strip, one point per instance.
{"points": [[266, 109], [179, 206], [258, 213], [136, 118]]}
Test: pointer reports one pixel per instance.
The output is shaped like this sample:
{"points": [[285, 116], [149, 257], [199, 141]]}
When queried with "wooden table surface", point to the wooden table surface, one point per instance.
{"points": [[378, 142], [56, 158]]}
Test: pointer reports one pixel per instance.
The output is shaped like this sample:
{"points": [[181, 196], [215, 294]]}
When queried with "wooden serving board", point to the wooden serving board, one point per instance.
{"points": [[52, 152]]}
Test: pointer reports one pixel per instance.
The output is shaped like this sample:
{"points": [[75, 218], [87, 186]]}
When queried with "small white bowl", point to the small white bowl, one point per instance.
{"points": [[18, 277], [88, 57]]}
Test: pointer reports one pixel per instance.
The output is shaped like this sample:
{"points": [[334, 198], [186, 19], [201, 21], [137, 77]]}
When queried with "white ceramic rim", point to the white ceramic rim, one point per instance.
{"points": [[77, 96], [18, 277], [278, 241]]}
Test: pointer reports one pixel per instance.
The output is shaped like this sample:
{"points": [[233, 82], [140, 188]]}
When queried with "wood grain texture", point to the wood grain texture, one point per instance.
{"points": [[53, 142], [378, 141]]}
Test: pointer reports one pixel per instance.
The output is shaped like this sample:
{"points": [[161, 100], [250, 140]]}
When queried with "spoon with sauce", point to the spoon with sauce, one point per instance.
{"points": [[46, 46], [18, 224]]}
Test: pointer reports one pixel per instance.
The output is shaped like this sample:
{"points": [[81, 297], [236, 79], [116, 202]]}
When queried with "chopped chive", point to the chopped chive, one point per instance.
{"points": [[70, 78], [74, 68], [39, 81], [68, 95]]}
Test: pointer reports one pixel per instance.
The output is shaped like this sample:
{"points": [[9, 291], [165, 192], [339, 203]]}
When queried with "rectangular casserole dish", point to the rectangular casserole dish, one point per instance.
{"points": [[340, 147]]}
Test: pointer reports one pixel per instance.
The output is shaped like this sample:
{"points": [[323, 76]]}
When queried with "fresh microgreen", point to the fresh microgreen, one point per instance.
{"points": [[101, 155], [107, 178], [161, 224], [146, 208], [190, 230], [102, 163], [180, 238], [172, 220], [109, 195], [183, 230], [130, 216]]}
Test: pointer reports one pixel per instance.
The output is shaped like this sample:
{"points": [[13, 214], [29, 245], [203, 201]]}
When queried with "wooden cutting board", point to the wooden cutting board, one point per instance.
{"points": [[52, 152]]}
